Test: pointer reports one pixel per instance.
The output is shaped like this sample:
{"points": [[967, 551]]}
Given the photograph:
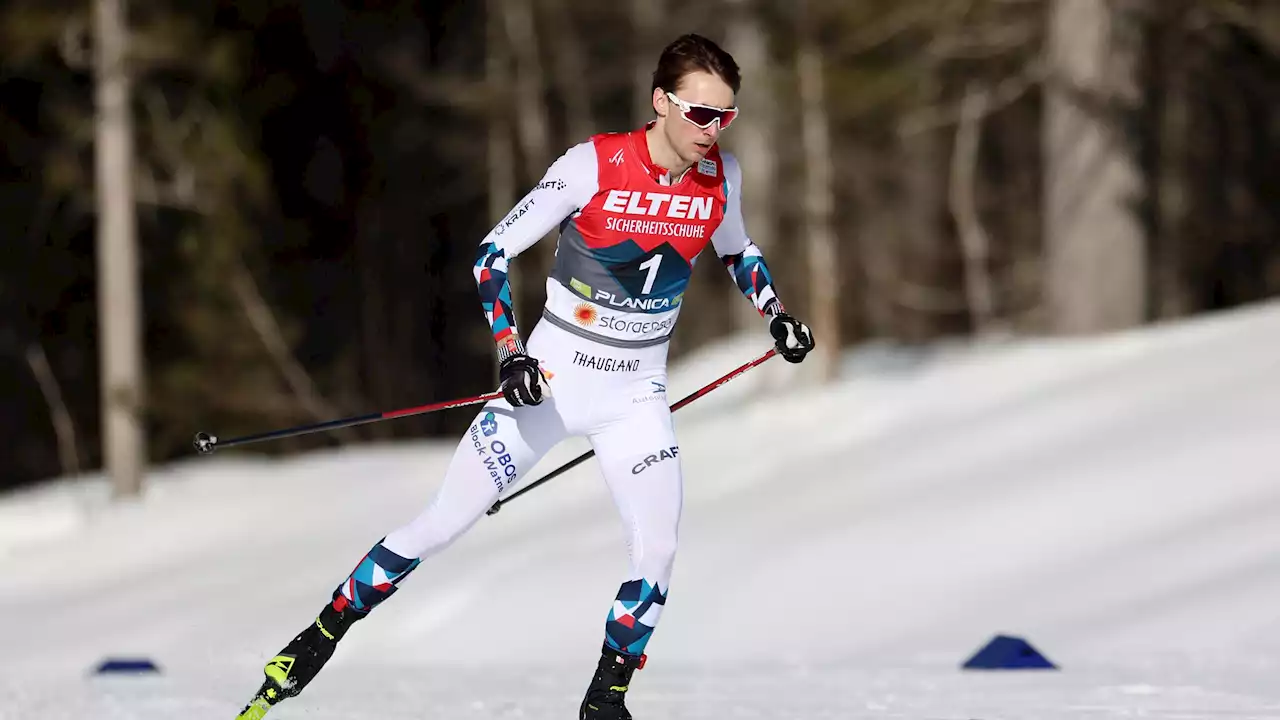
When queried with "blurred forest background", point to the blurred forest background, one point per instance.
{"points": [[307, 181]]}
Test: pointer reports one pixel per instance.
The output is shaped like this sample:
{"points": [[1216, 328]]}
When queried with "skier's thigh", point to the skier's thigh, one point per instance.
{"points": [[640, 460], [499, 447]]}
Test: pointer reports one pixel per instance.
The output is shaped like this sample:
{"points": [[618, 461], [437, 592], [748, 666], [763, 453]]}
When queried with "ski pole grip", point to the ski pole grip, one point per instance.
{"points": [[205, 443]]}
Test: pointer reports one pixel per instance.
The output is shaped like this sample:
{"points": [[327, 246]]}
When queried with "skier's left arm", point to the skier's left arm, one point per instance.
{"points": [[746, 265]]}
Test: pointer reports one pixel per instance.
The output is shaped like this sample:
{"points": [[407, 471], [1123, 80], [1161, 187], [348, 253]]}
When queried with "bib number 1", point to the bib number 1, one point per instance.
{"points": [[652, 266]]}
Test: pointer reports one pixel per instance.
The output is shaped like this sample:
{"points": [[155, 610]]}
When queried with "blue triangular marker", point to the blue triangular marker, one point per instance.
{"points": [[126, 666], [1005, 652]]}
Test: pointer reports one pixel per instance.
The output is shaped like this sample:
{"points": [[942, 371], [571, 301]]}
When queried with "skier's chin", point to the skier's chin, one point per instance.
{"points": [[697, 152]]}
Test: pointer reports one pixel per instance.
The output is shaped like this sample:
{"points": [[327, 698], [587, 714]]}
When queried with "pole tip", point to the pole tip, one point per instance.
{"points": [[494, 510], [205, 443]]}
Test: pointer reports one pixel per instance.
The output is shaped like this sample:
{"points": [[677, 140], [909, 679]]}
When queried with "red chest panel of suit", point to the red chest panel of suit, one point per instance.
{"points": [[632, 204], [633, 246]]}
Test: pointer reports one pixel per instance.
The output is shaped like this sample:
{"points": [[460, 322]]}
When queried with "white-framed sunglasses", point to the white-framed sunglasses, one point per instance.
{"points": [[704, 115]]}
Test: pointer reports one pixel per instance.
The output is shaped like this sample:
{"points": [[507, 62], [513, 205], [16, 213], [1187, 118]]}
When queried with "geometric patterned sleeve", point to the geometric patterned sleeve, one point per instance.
{"points": [[741, 257], [566, 187]]}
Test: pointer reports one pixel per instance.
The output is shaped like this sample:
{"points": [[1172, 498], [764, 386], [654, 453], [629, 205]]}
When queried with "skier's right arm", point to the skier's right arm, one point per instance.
{"points": [[566, 187]]}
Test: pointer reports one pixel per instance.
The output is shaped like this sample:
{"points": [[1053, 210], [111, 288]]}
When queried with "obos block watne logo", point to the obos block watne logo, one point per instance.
{"points": [[489, 425]]}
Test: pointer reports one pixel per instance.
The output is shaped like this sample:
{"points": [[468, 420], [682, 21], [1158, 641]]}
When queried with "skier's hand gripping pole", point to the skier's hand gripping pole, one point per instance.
{"points": [[207, 444], [587, 455]]}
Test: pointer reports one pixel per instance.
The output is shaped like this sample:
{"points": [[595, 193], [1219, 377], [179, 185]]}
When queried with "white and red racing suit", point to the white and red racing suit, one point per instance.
{"points": [[629, 237]]}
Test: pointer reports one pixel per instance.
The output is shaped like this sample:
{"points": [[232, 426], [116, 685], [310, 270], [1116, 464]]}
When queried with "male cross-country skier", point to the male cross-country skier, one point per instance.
{"points": [[634, 210]]}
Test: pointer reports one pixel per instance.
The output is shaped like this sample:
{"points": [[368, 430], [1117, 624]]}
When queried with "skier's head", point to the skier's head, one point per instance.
{"points": [[694, 85]]}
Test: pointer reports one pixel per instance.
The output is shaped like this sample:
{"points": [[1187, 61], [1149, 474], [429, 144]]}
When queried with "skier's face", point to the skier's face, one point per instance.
{"points": [[690, 142]]}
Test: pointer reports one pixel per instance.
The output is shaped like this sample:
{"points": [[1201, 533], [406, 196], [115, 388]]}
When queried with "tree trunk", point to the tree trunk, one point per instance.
{"points": [[534, 134], [918, 298], [974, 242], [501, 151], [819, 206], [119, 306], [1168, 68], [869, 268], [752, 138], [1094, 242], [646, 16], [570, 72]]}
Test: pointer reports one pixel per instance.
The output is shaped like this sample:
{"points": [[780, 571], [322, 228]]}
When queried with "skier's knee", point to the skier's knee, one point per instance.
{"points": [[441, 537], [658, 553], [425, 537]]}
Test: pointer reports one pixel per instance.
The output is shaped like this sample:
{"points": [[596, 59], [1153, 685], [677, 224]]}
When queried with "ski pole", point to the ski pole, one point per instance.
{"points": [[206, 443], [587, 455]]}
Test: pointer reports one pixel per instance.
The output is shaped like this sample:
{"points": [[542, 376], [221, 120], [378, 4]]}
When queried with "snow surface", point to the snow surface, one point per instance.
{"points": [[844, 549]]}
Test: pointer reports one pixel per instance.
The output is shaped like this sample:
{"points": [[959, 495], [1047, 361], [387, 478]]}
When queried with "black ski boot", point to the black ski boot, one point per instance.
{"points": [[608, 689], [299, 662]]}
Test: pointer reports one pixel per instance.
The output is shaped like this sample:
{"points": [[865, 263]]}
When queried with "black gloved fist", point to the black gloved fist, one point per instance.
{"points": [[792, 337], [522, 382]]}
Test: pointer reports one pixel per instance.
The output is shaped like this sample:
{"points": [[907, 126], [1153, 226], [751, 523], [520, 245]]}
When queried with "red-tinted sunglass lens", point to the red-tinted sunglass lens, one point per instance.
{"points": [[704, 116]]}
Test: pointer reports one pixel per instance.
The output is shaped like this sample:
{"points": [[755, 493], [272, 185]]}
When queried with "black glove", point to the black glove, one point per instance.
{"points": [[522, 380], [792, 337]]}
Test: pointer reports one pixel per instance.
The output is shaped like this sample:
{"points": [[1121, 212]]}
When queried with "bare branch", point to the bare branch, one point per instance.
{"points": [[268, 330], [921, 298], [179, 193], [872, 37], [75, 44], [437, 89], [63, 426], [984, 42], [168, 131], [1248, 22], [1004, 94], [883, 281], [170, 135]]}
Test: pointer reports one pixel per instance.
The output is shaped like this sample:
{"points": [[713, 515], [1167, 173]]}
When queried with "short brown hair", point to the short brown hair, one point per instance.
{"points": [[690, 53]]}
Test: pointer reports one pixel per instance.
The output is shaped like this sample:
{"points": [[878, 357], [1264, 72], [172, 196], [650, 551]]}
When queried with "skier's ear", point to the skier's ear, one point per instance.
{"points": [[660, 102]]}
